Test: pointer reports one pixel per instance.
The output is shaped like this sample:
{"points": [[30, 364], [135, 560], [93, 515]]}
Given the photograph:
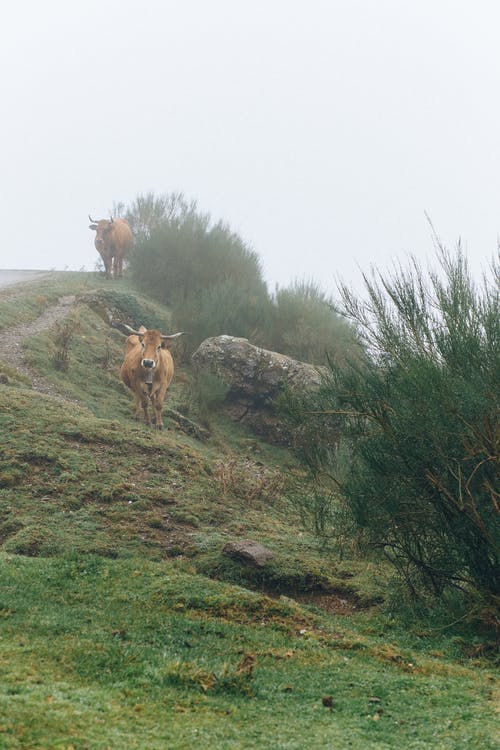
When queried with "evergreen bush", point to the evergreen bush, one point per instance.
{"points": [[420, 412], [306, 325]]}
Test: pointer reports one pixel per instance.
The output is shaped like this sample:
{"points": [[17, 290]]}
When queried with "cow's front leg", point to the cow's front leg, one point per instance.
{"points": [[157, 404], [141, 408], [158, 419], [145, 409], [107, 266]]}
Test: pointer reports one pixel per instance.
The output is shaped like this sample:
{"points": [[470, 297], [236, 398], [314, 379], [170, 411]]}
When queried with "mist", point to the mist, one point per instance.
{"points": [[322, 132]]}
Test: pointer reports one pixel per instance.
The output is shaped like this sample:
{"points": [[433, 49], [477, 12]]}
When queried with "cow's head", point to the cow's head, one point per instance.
{"points": [[151, 343], [104, 229]]}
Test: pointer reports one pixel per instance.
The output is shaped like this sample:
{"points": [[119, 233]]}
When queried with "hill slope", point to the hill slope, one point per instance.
{"points": [[122, 622]]}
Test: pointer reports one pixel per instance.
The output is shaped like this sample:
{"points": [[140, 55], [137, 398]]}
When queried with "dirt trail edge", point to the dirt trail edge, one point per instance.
{"points": [[11, 344]]}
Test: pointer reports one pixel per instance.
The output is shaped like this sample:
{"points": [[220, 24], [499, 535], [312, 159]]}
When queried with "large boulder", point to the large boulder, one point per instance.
{"points": [[251, 371], [255, 377]]}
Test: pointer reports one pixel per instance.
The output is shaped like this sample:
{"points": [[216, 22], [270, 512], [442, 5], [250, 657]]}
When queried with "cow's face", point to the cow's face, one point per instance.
{"points": [[103, 230], [151, 344]]}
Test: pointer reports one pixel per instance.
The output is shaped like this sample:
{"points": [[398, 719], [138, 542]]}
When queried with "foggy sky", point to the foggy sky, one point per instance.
{"points": [[321, 131]]}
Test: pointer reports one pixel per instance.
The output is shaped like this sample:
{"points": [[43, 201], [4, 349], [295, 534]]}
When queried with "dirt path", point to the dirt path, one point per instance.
{"points": [[13, 277], [11, 343]]}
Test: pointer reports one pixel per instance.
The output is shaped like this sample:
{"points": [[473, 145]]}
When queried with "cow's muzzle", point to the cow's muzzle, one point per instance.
{"points": [[148, 363]]}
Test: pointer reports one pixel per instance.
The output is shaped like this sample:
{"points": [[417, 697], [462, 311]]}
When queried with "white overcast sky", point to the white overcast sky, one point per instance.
{"points": [[321, 131]]}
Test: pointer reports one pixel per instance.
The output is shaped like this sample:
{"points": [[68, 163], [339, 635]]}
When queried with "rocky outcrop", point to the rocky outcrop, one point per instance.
{"points": [[255, 378], [251, 371]]}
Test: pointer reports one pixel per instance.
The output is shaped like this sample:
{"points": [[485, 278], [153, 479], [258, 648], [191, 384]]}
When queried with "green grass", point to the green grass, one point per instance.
{"points": [[123, 625], [140, 654], [23, 303]]}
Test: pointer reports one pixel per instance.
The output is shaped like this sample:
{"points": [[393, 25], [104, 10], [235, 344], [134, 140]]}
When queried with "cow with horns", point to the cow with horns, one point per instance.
{"points": [[147, 370], [113, 242]]}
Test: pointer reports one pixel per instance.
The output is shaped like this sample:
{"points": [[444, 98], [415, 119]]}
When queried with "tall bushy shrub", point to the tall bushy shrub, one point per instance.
{"points": [[213, 283], [307, 327], [225, 308], [204, 271], [150, 212], [421, 415]]}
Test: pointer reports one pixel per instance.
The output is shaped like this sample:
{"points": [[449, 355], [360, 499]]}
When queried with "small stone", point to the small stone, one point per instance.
{"points": [[248, 551]]}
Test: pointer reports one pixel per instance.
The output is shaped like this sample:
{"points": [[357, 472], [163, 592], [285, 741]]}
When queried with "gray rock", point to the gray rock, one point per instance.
{"points": [[248, 551], [253, 372], [255, 377]]}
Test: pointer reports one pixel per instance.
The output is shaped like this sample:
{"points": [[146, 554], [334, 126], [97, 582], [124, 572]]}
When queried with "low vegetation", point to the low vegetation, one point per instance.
{"points": [[123, 623]]}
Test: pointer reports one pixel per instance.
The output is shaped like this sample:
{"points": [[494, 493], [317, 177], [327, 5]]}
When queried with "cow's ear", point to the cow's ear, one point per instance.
{"points": [[93, 226]]}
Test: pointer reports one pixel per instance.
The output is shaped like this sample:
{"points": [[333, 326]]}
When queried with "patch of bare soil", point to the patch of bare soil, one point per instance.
{"points": [[332, 603], [338, 603], [12, 339]]}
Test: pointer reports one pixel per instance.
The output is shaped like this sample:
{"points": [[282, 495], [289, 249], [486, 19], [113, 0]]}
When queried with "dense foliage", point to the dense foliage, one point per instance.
{"points": [[214, 284], [307, 326], [203, 271], [420, 414], [185, 255]]}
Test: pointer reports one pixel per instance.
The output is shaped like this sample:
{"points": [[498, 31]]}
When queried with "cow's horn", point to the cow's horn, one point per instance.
{"points": [[93, 220], [173, 335], [131, 330], [110, 219]]}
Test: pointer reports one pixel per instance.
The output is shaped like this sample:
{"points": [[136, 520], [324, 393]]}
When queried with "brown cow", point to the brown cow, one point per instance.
{"points": [[147, 370], [113, 242]]}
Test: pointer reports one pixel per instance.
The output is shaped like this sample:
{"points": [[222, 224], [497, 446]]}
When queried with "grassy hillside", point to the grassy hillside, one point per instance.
{"points": [[123, 625]]}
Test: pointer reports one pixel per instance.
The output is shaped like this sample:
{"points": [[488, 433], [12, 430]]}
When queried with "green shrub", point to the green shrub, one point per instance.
{"points": [[421, 414], [203, 271], [150, 212], [224, 308], [307, 327], [184, 254], [213, 282]]}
